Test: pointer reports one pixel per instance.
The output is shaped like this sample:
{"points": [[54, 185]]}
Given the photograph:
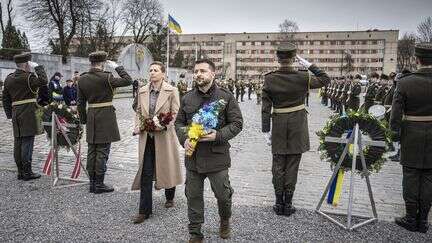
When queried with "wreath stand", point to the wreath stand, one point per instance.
{"points": [[354, 139], [55, 127]]}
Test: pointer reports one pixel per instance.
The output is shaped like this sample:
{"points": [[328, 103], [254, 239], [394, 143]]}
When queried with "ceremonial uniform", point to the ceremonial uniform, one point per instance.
{"points": [[258, 91], [96, 88], [231, 85], [284, 92], [19, 103], [411, 123], [353, 101], [250, 89]]}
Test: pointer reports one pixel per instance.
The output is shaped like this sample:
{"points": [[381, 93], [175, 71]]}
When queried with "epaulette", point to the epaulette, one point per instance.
{"points": [[83, 73], [268, 73], [107, 72], [405, 75]]}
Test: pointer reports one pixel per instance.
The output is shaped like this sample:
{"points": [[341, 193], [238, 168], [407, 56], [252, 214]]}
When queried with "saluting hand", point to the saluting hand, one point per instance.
{"points": [[112, 64], [303, 62], [32, 64]]}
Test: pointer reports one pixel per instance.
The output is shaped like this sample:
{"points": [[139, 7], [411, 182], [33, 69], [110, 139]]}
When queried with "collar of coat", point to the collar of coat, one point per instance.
{"points": [[426, 69], [164, 93]]}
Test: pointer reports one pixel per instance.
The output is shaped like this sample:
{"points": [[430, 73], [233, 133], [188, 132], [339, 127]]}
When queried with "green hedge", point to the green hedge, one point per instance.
{"points": [[7, 54]]}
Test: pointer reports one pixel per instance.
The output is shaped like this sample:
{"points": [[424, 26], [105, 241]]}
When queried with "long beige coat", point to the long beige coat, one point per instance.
{"points": [[167, 164]]}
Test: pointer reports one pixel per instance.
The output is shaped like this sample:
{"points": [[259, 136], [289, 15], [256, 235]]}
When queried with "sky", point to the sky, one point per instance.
{"points": [[236, 16], [219, 16]]}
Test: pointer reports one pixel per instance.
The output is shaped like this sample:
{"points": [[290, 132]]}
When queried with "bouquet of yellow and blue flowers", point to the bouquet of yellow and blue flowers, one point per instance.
{"points": [[203, 122]]}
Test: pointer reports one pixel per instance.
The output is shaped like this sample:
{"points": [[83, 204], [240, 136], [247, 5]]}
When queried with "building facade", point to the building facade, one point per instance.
{"points": [[249, 55]]}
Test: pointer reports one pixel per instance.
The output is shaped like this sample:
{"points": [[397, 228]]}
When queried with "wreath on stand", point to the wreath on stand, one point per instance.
{"points": [[342, 127], [66, 115]]}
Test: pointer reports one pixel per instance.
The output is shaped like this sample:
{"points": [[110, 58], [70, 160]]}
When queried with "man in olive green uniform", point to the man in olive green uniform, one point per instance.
{"points": [[211, 158], [19, 103], [371, 92], [382, 89], [250, 88], [258, 85], [284, 91], [97, 88], [231, 85], [353, 101], [411, 124]]}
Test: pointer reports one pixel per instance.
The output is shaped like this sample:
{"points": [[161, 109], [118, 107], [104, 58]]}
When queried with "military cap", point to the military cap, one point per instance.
{"points": [[98, 56], [22, 58], [383, 76], [423, 50], [286, 50]]}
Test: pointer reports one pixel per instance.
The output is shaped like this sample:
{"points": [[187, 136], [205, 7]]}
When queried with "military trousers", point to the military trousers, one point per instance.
{"points": [[97, 157], [285, 169], [148, 170], [194, 191], [417, 186], [23, 153], [259, 99]]}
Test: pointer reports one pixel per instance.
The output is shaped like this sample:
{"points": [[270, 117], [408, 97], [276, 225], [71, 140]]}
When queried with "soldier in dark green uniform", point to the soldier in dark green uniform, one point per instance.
{"points": [[231, 85], [353, 101], [97, 88], [411, 124], [284, 91], [371, 92], [382, 89], [182, 85], [211, 158], [19, 103]]}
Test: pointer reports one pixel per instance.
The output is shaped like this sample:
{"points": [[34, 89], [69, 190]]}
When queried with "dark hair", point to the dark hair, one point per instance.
{"points": [[358, 76], [374, 75], [182, 75], [210, 63], [161, 65]]}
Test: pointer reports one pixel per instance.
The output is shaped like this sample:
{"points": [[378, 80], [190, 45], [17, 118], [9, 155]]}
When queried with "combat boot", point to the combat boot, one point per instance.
{"points": [[422, 222], [409, 221], [289, 208], [225, 229], [28, 173], [100, 187], [279, 205], [92, 183]]}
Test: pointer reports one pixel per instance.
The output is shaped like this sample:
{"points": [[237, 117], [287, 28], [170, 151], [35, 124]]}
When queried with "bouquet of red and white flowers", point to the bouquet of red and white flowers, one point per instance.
{"points": [[157, 123]]}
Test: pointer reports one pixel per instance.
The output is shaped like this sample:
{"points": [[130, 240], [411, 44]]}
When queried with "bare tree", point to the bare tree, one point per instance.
{"points": [[288, 28], [59, 19], [405, 52], [142, 16], [424, 30], [9, 9]]}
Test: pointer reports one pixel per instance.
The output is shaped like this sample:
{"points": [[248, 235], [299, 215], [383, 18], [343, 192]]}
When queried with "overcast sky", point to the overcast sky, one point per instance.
{"points": [[200, 16], [234, 16]]}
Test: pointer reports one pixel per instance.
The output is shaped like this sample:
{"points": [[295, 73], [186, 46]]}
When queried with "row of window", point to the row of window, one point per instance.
{"points": [[242, 69], [203, 43], [313, 42], [313, 60], [321, 51]]}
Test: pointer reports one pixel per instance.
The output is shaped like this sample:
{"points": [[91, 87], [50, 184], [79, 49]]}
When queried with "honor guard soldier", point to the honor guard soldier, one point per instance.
{"points": [[411, 124], [353, 101], [371, 92], [19, 103], [96, 87], [284, 91]]}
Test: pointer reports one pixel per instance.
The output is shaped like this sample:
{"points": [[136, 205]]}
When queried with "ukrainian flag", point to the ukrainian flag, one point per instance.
{"points": [[173, 25]]}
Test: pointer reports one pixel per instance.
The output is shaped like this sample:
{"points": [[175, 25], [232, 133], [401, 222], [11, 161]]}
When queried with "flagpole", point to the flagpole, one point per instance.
{"points": [[167, 54]]}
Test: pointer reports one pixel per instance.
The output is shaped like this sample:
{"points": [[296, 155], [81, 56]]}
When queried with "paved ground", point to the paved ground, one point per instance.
{"points": [[250, 178]]}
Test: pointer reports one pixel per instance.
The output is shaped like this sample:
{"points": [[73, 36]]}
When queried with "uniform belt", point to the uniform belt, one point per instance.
{"points": [[289, 109], [99, 105], [418, 118], [387, 106], [377, 102], [22, 102]]}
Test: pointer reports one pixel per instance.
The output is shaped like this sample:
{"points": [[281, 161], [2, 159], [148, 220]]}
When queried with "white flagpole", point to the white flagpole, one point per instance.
{"points": [[167, 54]]}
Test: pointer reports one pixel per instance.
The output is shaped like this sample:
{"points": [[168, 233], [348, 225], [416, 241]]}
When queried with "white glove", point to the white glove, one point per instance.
{"points": [[267, 137], [112, 64], [303, 62], [32, 64]]}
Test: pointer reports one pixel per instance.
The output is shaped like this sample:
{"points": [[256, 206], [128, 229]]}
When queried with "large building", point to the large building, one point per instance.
{"points": [[249, 55]]}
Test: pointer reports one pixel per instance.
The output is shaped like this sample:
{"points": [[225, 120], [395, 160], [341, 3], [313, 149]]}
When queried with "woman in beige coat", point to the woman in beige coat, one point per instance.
{"points": [[159, 158]]}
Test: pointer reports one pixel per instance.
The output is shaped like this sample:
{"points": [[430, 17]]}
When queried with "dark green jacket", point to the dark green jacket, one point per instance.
{"points": [[97, 86], [21, 85], [353, 101], [287, 88], [413, 97], [210, 156]]}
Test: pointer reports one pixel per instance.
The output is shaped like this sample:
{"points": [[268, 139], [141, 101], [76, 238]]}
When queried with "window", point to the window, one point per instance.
{"points": [[252, 43], [321, 51], [311, 52], [262, 51], [332, 43], [322, 43], [262, 43], [243, 43]]}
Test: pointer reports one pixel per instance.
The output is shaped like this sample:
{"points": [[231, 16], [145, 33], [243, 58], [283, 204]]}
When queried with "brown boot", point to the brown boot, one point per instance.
{"points": [[225, 229], [195, 240], [169, 204], [139, 218]]}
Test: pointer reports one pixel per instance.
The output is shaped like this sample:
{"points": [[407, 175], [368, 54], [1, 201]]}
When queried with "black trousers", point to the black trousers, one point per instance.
{"points": [[97, 157], [23, 153], [146, 197], [417, 186]]}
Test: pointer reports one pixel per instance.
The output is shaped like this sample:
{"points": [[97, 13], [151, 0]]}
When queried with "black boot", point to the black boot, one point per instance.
{"points": [[20, 174], [395, 157], [92, 183], [422, 222], [279, 205], [28, 173], [289, 208], [408, 222], [100, 187]]}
